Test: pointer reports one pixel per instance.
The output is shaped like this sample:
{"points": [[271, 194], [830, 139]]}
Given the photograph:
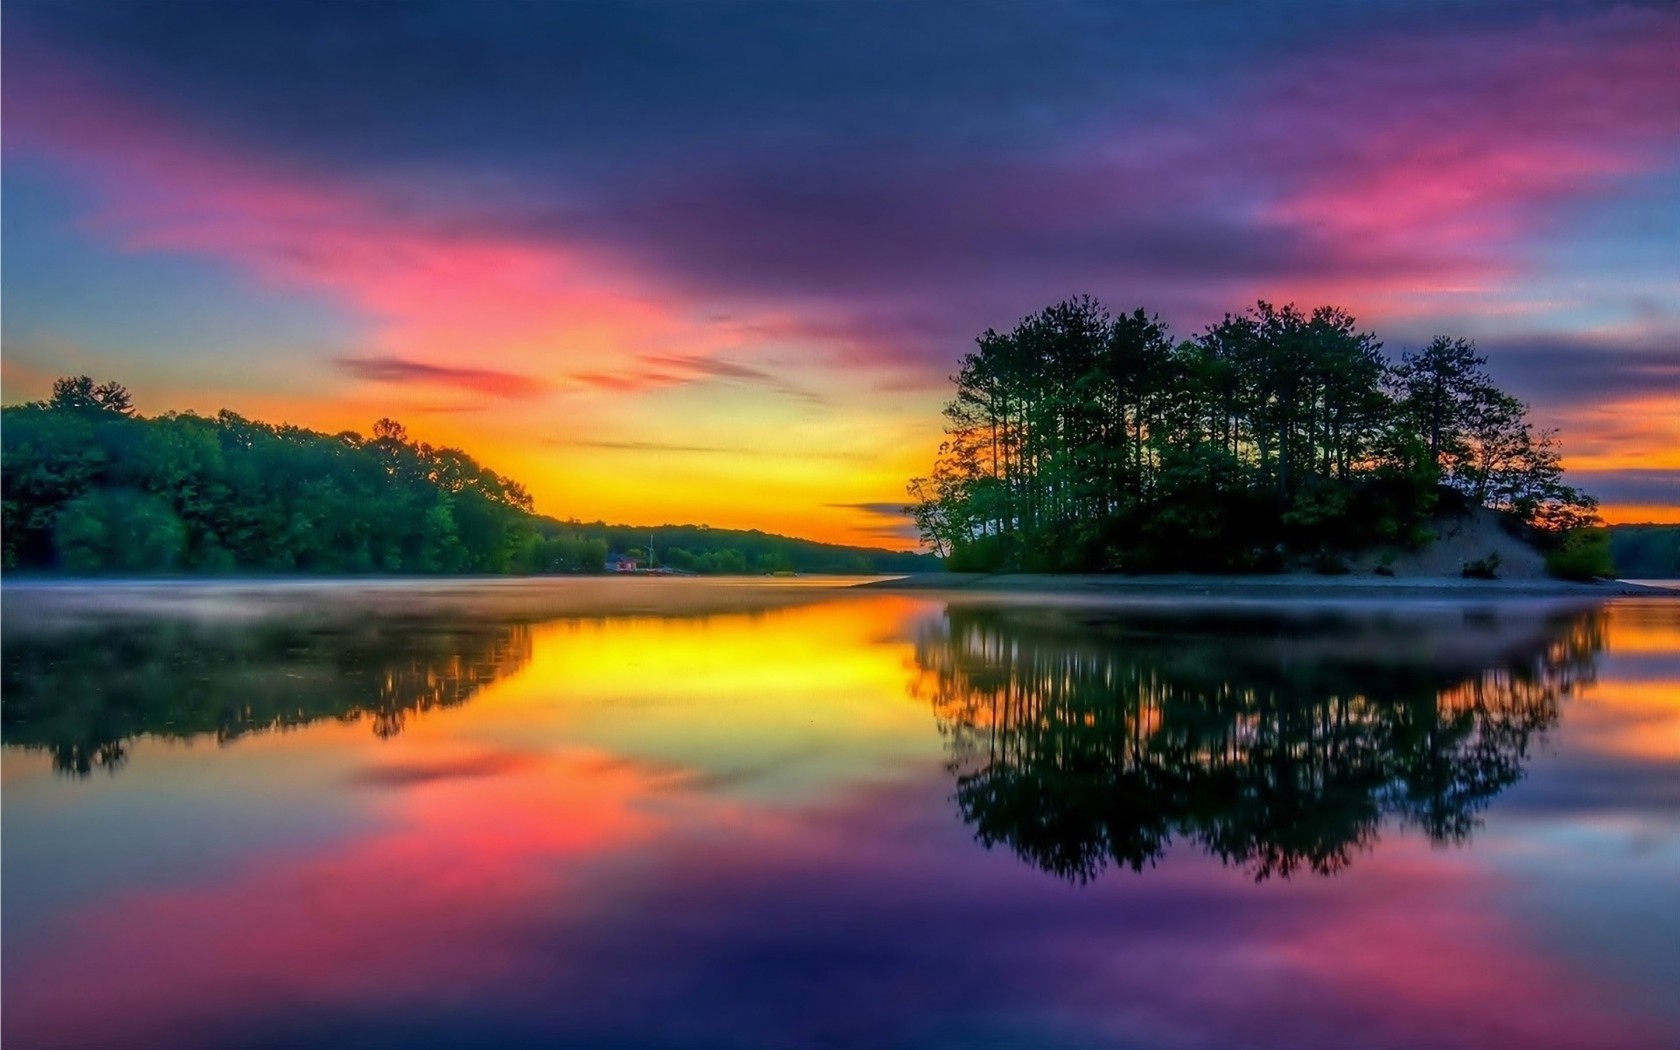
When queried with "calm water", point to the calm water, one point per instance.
{"points": [[689, 814]]}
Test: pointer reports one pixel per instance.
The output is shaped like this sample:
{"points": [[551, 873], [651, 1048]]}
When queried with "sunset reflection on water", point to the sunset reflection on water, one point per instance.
{"points": [[760, 826]]}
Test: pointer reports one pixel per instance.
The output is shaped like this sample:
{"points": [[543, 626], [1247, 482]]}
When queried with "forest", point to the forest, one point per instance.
{"points": [[89, 486], [706, 550], [1646, 552], [1275, 439]]}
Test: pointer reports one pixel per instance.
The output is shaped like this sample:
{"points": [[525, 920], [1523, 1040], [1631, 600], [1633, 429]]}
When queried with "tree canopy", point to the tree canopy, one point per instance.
{"points": [[1083, 441], [1645, 552], [91, 486]]}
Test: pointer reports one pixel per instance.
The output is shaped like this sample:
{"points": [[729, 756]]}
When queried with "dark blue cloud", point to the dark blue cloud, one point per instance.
{"points": [[383, 82], [1560, 369], [905, 174], [1653, 487]]}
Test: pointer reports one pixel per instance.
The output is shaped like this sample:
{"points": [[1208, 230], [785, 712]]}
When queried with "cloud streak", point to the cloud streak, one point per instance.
{"points": [[478, 380], [1643, 488], [651, 371], [1557, 371]]}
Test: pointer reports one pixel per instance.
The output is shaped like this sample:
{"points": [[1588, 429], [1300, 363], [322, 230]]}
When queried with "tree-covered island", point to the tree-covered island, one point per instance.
{"points": [[1275, 439]]}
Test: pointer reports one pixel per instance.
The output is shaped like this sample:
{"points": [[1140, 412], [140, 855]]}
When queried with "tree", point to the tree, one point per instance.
{"points": [[1081, 440], [388, 429], [79, 394], [1535, 492], [1436, 387], [90, 486], [1583, 553], [931, 508], [119, 530]]}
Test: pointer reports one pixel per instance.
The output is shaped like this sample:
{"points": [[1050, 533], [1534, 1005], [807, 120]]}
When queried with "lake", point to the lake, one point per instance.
{"points": [[688, 813]]}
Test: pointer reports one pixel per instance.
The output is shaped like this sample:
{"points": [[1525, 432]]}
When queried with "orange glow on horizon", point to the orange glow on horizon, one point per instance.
{"points": [[1640, 514]]}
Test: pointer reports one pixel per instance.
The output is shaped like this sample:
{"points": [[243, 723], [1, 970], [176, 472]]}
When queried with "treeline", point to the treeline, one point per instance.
{"points": [[89, 486], [702, 549], [1646, 552], [1080, 441]]}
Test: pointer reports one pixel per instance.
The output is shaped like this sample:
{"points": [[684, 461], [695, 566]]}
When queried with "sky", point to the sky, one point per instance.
{"points": [[715, 262]]}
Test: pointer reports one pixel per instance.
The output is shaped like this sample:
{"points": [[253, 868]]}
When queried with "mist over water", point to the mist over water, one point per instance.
{"points": [[792, 813]]}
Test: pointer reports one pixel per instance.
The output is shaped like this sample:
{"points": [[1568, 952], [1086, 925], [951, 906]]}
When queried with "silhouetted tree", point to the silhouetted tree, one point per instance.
{"points": [[1079, 440], [79, 394], [1081, 743], [83, 694]]}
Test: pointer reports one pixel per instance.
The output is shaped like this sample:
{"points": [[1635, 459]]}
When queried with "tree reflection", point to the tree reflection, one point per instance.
{"points": [[1277, 745], [83, 694]]}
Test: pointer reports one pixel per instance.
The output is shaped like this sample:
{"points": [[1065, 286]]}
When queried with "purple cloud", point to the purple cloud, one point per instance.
{"points": [[479, 380]]}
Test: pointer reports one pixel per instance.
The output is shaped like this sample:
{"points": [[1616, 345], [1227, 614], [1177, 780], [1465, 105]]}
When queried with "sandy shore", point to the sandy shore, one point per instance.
{"points": [[1288, 586]]}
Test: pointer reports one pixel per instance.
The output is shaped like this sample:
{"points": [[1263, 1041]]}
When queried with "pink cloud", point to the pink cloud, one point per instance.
{"points": [[1447, 155], [482, 380], [491, 312]]}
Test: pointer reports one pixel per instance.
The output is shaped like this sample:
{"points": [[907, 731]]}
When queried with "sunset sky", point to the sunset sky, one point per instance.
{"points": [[713, 262]]}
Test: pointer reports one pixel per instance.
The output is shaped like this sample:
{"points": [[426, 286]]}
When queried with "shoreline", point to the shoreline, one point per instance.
{"points": [[1276, 586], [53, 603]]}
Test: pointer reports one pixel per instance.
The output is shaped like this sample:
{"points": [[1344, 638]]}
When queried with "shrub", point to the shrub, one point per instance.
{"points": [[985, 554], [1482, 568]]}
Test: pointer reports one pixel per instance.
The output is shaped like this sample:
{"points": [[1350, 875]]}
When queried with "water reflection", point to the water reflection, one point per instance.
{"points": [[727, 824], [82, 694], [1079, 741]]}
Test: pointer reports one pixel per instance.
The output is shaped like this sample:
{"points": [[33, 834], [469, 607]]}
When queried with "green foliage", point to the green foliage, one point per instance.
{"points": [[727, 562], [563, 552], [79, 394], [1581, 554], [1080, 441], [90, 487], [708, 551], [120, 530], [1645, 552], [981, 554]]}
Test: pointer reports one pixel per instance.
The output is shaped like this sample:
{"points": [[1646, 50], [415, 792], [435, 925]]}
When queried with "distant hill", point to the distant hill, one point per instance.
{"points": [[1645, 552], [701, 548]]}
